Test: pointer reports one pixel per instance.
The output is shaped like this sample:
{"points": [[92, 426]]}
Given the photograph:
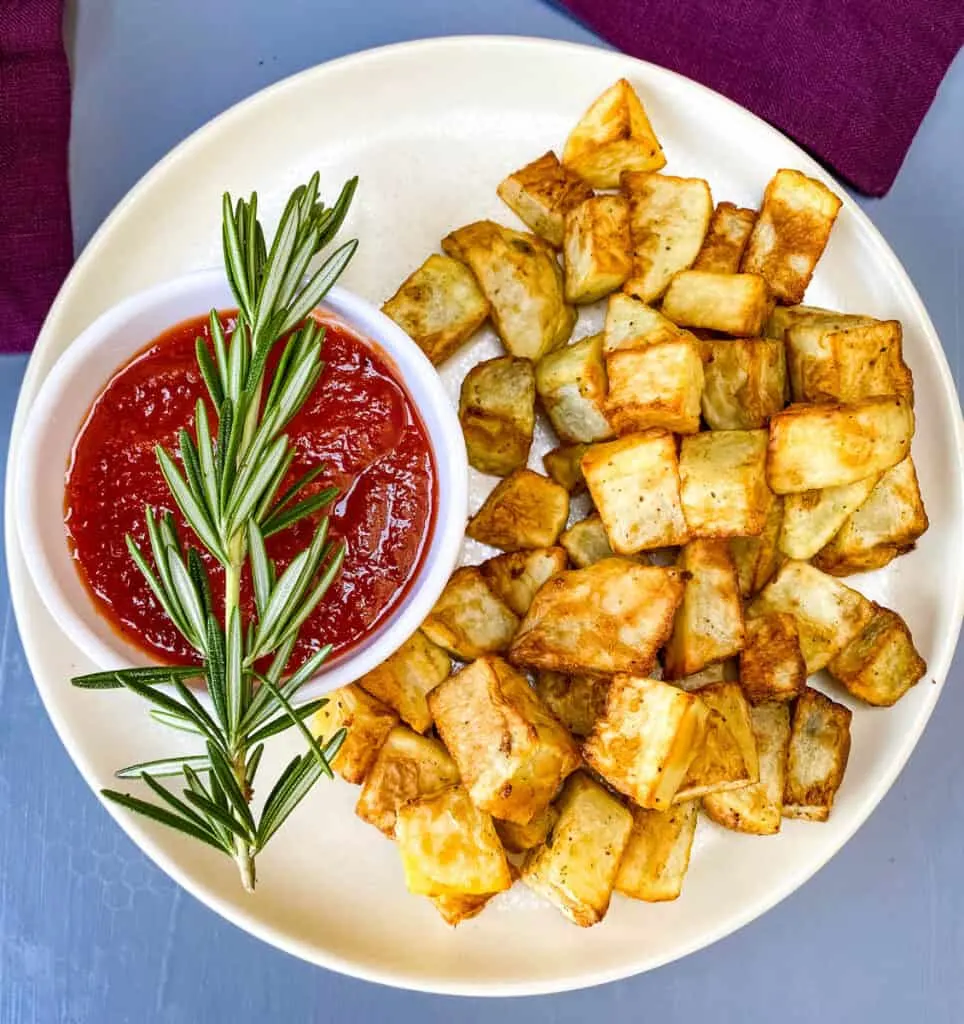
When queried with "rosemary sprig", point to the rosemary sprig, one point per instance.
{"points": [[227, 486]]}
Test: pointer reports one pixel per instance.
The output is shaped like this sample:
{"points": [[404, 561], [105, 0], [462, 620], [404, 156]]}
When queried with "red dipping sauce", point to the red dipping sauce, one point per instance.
{"points": [[360, 423]]}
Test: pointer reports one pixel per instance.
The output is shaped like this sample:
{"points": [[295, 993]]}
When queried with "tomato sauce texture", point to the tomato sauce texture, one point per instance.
{"points": [[359, 423]]}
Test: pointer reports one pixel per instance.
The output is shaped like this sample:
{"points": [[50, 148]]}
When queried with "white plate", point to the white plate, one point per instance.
{"points": [[431, 128]]}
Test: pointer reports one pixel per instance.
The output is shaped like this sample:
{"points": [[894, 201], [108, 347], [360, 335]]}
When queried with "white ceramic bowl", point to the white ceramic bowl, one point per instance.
{"points": [[84, 369]]}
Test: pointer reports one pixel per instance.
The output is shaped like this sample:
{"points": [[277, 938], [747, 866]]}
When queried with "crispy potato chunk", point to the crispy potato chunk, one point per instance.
{"points": [[632, 324], [526, 510], [635, 484], [440, 307], [456, 909], [645, 742], [518, 838], [497, 410], [542, 193], [368, 722], [597, 248], [735, 304], [817, 756], [817, 446], [564, 465], [520, 277], [771, 664], [572, 386], [609, 617], [828, 614], [407, 766], [709, 622], [517, 576], [586, 542], [577, 701], [758, 808], [790, 233], [658, 853], [512, 754], [726, 239], [656, 386], [758, 558], [745, 382], [575, 869], [782, 318], [723, 486], [668, 218], [811, 518], [468, 620], [881, 664], [404, 679], [614, 135], [449, 847]]}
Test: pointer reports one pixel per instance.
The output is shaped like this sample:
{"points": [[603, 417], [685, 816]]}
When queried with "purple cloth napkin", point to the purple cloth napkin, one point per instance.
{"points": [[850, 80], [35, 240]]}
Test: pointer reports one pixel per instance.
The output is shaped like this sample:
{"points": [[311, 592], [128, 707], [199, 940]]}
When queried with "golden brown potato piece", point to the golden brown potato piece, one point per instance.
{"points": [[526, 510], [542, 193], [745, 382], [771, 664], [575, 869], [407, 766], [614, 135], [709, 622], [811, 518], [517, 576], [817, 446], [782, 318], [635, 484], [586, 542], [758, 558], [658, 853], [881, 664], [512, 754], [577, 701], [572, 387], [440, 307], [563, 464], [656, 386], [758, 808], [456, 909], [609, 617], [632, 324], [520, 277], [404, 680], [468, 620], [735, 304], [828, 614], [368, 722], [449, 847], [726, 239], [668, 218], [596, 248], [497, 410], [817, 757], [723, 486], [790, 233], [518, 838]]}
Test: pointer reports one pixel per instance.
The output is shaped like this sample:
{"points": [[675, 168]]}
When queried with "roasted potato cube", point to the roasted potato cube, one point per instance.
{"points": [[575, 869], [632, 324], [542, 193], [456, 909], [656, 386], [596, 248], [745, 382], [771, 664], [614, 135], [635, 484], [563, 464], [645, 741], [525, 510], [726, 239], [520, 277], [782, 318], [816, 446], [811, 518], [828, 614], [468, 620], [368, 722], [731, 303], [758, 558], [758, 808], [577, 701], [518, 838], [440, 307], [497, 410], [449, 847], [515, 577], [586, 542], [512, 754], [790, 233], [658, 853], [709, 622], [404, 679], [407, 766], [817, 757], [723, 486], [881, 664], [609, 617], [572, 386]]}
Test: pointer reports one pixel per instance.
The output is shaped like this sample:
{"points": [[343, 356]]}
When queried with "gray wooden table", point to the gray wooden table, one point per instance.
{"points": [[92, 933]]}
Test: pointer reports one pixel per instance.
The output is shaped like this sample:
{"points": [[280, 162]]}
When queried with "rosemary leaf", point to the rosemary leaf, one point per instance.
{"points": [[164, 767], [165, 817], [288, 517], [209, 371], [148, 676], [284, 722], [189, 505]]}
